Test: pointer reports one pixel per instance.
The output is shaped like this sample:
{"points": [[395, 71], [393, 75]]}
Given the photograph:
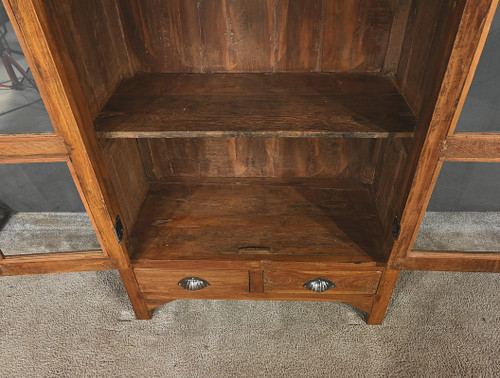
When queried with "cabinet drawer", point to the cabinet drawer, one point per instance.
{"points": [[164, 283], [292, 282]]}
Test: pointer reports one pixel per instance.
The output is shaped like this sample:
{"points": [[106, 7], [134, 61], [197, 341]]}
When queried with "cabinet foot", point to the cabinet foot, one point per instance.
{"points": [[382, 298], [136, 298]]}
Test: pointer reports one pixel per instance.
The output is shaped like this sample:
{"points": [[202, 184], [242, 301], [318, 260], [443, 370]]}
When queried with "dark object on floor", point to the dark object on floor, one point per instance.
{"points": [[5, 213]]}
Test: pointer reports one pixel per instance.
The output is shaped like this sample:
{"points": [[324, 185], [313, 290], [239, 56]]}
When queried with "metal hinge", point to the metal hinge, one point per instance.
{"points": [[118, 229], [396, 228]]}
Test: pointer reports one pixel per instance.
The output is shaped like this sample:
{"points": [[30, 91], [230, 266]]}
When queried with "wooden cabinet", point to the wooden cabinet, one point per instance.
{"points": [[256, 145]]}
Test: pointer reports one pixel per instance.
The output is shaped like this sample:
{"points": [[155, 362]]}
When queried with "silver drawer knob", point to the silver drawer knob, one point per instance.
{"points": [[193, 283], [319, 285]]}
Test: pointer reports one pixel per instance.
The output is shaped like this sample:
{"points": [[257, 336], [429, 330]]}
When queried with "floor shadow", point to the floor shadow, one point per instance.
{"points": [[5, 214]]}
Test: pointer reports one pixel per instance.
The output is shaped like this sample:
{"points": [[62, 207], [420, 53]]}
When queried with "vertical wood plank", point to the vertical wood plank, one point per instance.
{"points": [[262, 35], [214, 38], [356, 33], [172, 36], [249, 25], [300, 35], [397, 36]]}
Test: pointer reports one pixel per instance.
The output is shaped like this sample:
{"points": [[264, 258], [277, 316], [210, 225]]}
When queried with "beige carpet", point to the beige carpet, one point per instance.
{"points": [[81, 324]]}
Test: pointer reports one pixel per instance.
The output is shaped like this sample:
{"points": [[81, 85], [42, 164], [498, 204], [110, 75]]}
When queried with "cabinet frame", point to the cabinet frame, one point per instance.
{"points": [[442, 144], [75, 141]]}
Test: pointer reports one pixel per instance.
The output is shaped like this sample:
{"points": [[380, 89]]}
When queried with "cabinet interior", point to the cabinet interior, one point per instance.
{"points": [[259, 129]]}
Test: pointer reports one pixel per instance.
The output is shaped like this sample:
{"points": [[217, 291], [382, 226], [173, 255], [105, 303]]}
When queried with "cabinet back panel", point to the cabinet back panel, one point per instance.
{"points": [[349, 159], [259, 35]]}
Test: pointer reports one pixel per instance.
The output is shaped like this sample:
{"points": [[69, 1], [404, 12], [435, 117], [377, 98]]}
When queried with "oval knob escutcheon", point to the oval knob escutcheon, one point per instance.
{"points": [[193, 283], [319, 285]]}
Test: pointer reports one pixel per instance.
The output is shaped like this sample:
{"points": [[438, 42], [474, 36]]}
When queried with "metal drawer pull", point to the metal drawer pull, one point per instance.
{"points": [[319, 285], [193, 283]]}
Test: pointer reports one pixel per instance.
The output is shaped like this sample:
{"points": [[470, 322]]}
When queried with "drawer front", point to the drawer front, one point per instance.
{"points": [[292, 282], [164, 283]]}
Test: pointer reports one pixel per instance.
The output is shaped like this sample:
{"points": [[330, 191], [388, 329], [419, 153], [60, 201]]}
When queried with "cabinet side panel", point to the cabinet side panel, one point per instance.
{"points": [[430, 28], [350, 159], [430, 34], [94, 39], [124, 164], [455, 50], [396, 39], [389, 177]]}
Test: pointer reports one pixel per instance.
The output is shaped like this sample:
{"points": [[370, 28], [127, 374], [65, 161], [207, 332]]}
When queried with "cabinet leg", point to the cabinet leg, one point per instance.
{"points": [[383, 296], [138, 303]]}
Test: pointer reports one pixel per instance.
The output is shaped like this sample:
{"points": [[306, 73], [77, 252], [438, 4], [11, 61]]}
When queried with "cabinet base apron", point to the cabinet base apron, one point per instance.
{"points": [[366, 290]]}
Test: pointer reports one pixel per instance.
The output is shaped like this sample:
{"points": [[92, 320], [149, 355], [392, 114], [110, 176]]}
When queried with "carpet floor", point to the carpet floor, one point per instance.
{"points": [[439, 324]]}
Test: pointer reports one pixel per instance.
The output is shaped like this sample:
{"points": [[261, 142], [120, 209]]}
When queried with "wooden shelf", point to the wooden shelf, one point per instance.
{"points": [[356, 105], [258, 219]]}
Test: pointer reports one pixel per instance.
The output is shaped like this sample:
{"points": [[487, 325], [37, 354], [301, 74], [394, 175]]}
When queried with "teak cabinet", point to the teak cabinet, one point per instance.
{"points": [[253, 149]]}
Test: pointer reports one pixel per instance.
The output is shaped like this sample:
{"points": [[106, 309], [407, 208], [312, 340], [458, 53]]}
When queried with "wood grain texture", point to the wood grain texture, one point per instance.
{"points": [[135, 295], [349, 159], [205, 36], [292, 282], [249, 27], [439, 111], [19, 148], [215, 220], [44, 263], [397, 36], [389, 178], [423, 21], [94, 37], [299, 35], [356, 34], [450, 261], [297, 262], [237, 105], [162, 283], [361, 302], [123, 161], [256, 281], [133, 33], [477, 147], [259, 35]]}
